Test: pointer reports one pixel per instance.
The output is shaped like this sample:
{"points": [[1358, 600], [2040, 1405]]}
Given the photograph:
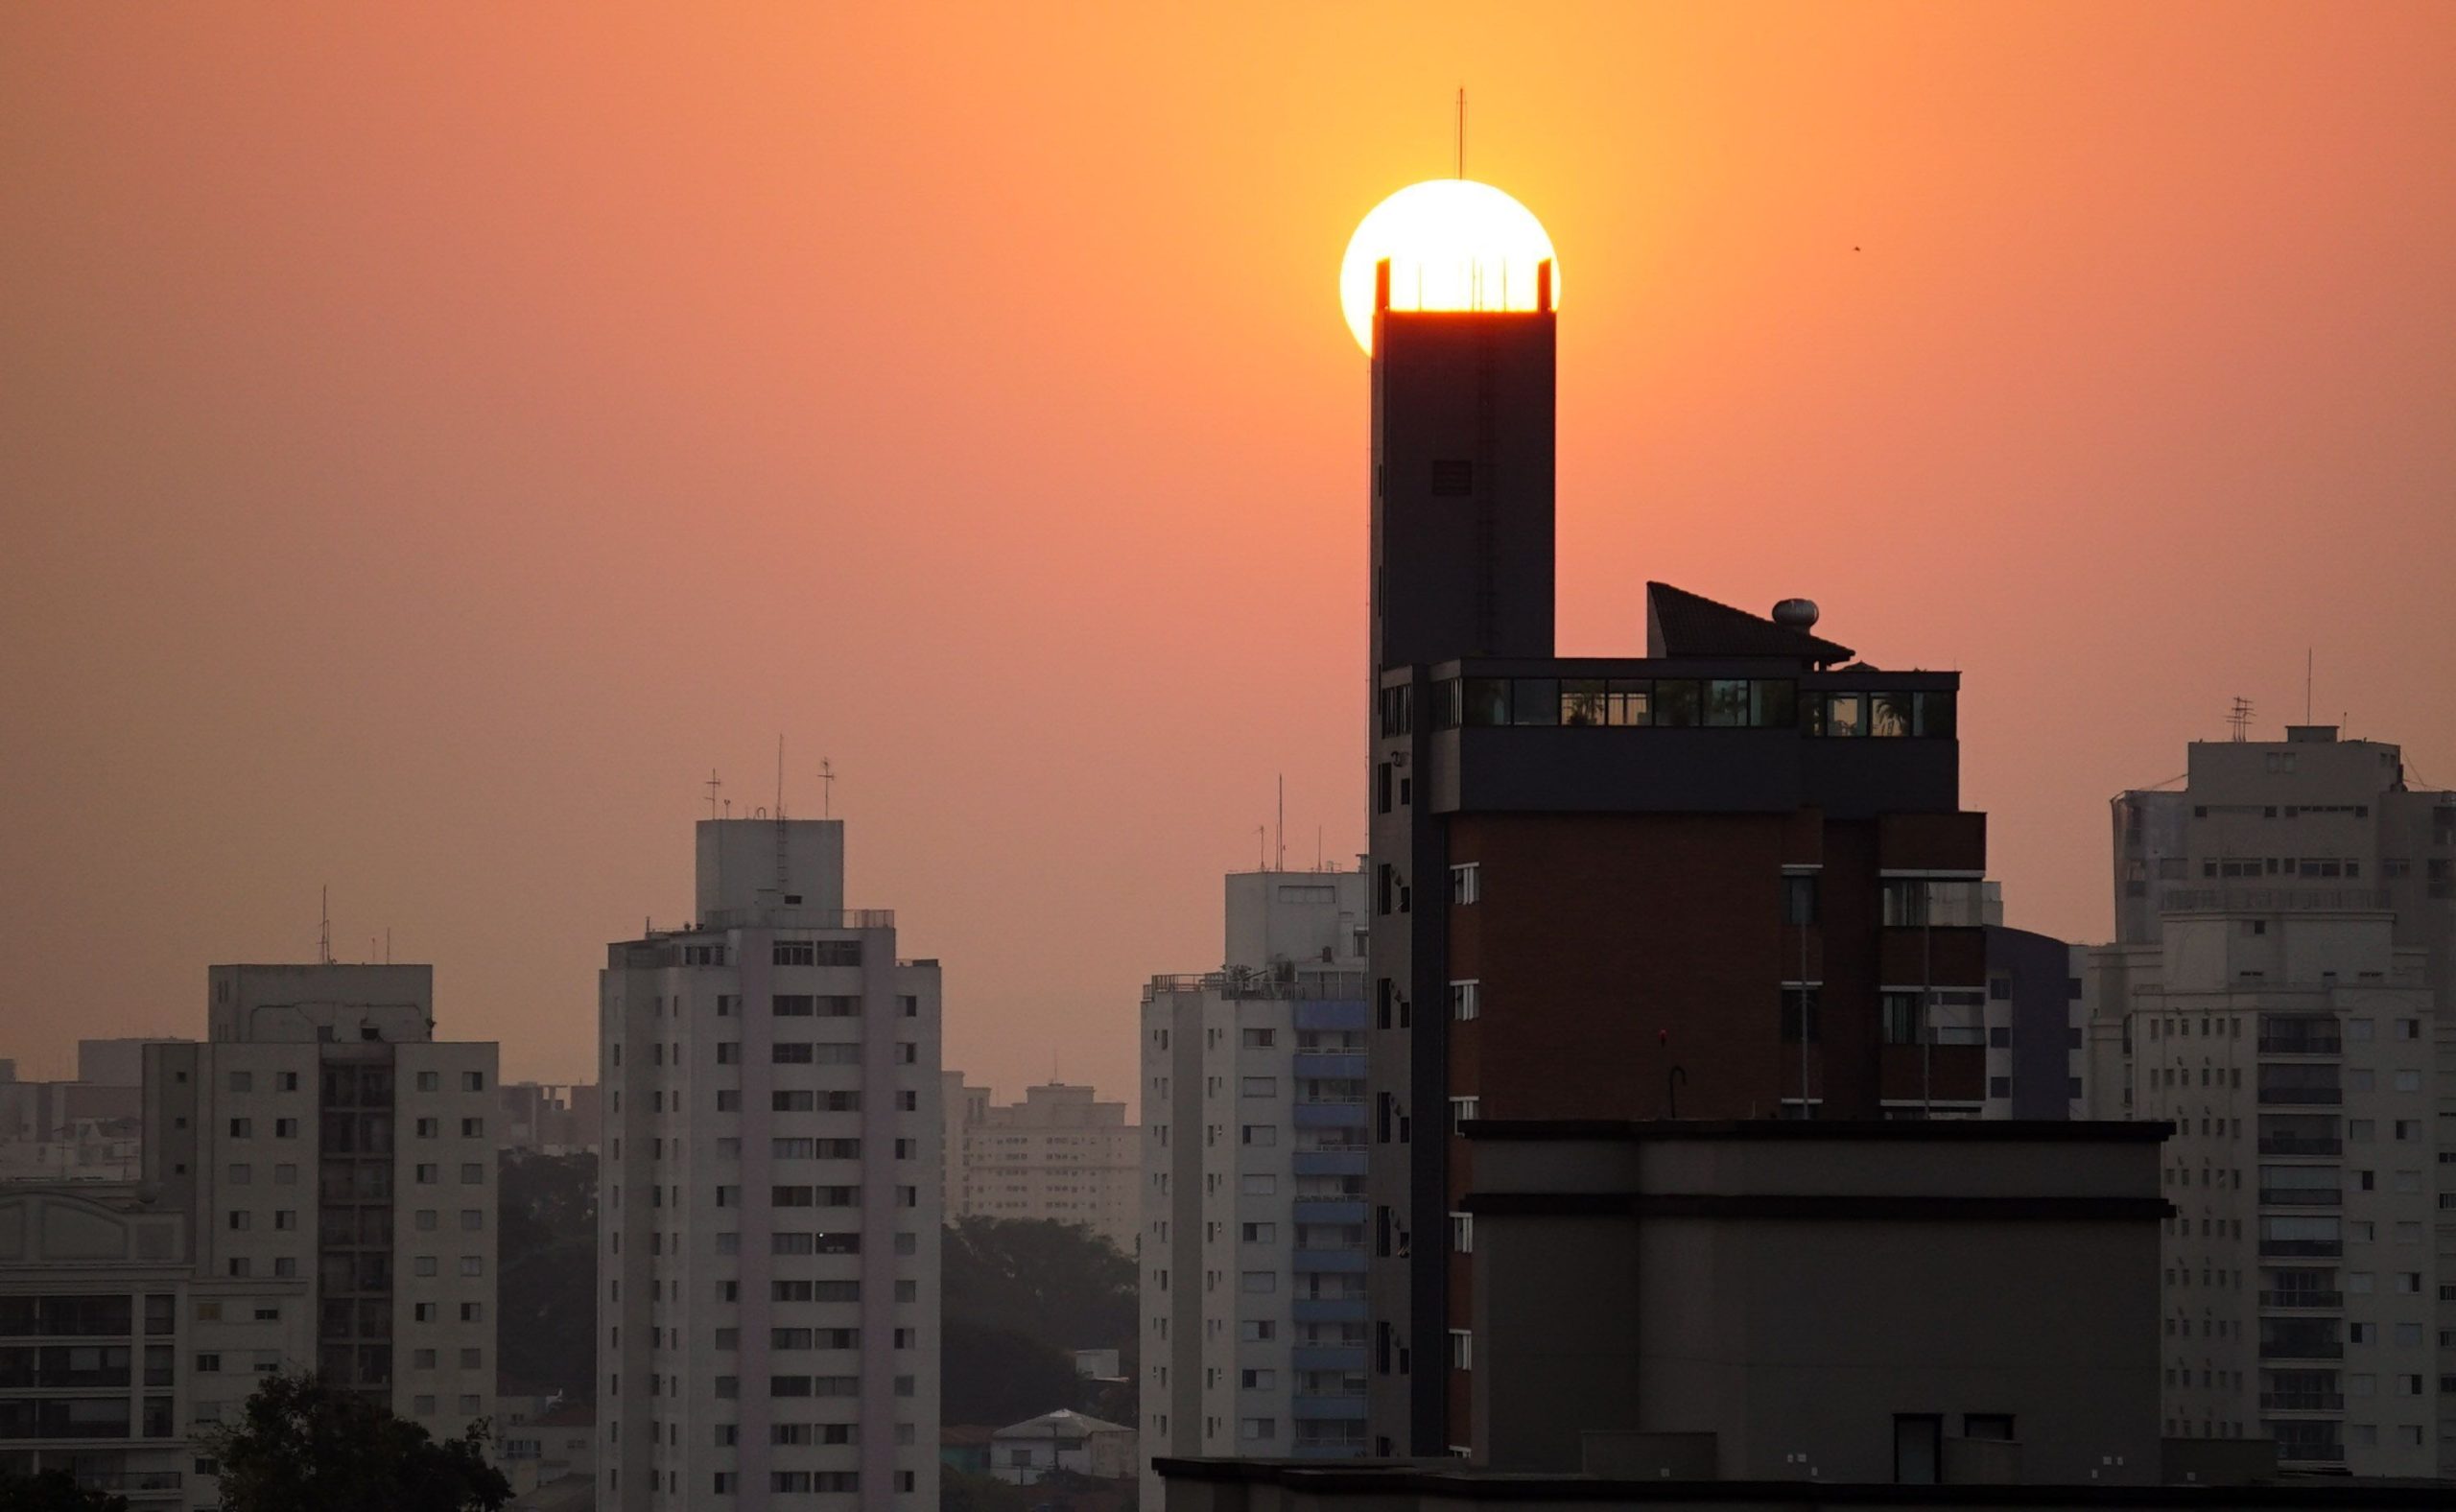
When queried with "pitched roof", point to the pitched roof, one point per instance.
{"points": [[1064, 1423], [1684, 623]]}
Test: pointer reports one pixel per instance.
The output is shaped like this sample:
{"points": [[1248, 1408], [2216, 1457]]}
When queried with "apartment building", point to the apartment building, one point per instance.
{"points": [[87, 1130], [321, 1133], [1730, 878], [1254, 1318], [2037, 1017], [116, 1344], [1060, 1154], [769, 1221], [2277, 992], [550, 1120]]}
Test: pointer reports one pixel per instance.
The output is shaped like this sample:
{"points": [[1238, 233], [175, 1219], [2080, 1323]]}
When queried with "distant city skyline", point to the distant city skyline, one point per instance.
{"points": [[432, 447]]}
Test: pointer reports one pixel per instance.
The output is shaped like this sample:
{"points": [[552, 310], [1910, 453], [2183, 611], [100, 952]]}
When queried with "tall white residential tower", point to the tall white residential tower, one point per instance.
{"points": [[1254, 1325], [334, 1156], [768, 1304], [2279, 990]]}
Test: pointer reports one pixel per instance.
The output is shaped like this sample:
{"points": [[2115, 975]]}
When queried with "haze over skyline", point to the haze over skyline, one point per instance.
{"points": [[432, 439]]}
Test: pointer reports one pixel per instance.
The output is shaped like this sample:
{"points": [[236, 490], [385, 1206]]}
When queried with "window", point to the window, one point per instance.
{"points": [[1462, 1233], [1799, 1010], [430, 1082], [1467, 883], [472, 1173], [285, 1129], [1462, 1349], [243, 1128], [473, 1264], [1466, 999], [1259, 1134], [1258, 1087], [1258, 1283], [1256, 1039], [1462, 1109], [473, 1128], [1799, 899]]}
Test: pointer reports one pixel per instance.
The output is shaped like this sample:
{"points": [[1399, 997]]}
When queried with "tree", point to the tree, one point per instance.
{"points": [[1058, 1283], [1018, 1294], [303, 1446], [992, 1377], [961, 1491], [54, 1491], [546, 1262]]}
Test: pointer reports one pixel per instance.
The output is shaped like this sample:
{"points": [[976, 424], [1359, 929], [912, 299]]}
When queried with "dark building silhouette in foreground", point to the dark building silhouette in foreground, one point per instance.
{"points": [[1732, 875]]}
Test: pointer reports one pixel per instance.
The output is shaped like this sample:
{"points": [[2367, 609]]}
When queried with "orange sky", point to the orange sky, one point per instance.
{"points": [[432, 438]]}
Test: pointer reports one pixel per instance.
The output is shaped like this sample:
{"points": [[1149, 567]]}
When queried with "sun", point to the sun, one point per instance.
{"points": [[1452, 243]]}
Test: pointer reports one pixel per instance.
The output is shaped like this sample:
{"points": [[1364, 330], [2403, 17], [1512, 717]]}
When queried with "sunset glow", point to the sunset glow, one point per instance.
{"points": [[1452, 243]]}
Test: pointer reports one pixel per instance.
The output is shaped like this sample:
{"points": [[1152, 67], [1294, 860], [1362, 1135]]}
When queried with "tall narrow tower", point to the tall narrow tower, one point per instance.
{"points": [[1462, 561]]}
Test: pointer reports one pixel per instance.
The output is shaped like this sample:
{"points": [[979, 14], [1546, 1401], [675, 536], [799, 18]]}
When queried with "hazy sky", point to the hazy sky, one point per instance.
{"points": [[433, 438]]}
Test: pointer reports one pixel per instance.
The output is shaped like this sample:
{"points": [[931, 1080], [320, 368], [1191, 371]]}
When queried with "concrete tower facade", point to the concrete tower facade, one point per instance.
{"points": [[769, 1318], [1252, 1262]]}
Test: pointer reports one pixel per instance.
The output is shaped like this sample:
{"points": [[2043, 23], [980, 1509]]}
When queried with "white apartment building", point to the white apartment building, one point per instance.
{"points": [[1253, 1244], [2277, 992], [769, 1317], [335, 1167], [1060, 1154]]}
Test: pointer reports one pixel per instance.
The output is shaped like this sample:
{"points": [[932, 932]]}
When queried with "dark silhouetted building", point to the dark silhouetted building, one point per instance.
{"points": [[1731, 878]]}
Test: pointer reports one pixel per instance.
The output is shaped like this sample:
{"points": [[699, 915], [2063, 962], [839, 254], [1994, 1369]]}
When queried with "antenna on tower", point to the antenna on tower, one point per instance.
{"points": [[1462, 130], [325, 926], [1279, 834], [782, 881], [2307, 654], [712, 785], [2240, 719], [826, 788]]}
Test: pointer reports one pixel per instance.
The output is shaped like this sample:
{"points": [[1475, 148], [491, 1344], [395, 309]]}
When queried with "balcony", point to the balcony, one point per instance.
{"points": [[1329, 1449], [1328, 1115], [1331, 1261], [2292, 1144], [1329, 1210], [2301, 1197], [1328, 1162], [2302, 1349], [2318, 1300], [1327, 1357], [1328, 1309], [2308, 1097], [1328, 1408], [2301, 1044], [2271, 900], [2302, 1402], [1315, 1065], [2302, 1248]]}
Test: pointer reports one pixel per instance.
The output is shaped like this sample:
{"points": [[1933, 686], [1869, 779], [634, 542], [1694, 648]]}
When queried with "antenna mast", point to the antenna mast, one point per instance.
{"points": [[1462, 130], [2307, 654], [325, 926], [2240, 719], [1279, 832], [826, 788]]}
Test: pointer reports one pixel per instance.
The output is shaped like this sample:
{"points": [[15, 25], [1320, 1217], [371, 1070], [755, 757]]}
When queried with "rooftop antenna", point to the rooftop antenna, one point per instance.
{"points": [[826, 788], [388, 944], [2306, 684], [780, 776], [1261, 852], [2240, 719], [712, 785], [1280, 834], [781, 881], [324, 927], [1462, 130]]}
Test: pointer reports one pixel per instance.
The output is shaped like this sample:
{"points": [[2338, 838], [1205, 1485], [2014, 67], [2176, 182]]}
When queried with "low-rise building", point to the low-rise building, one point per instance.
{"points": [[555, 1443], [1020, 1454]]}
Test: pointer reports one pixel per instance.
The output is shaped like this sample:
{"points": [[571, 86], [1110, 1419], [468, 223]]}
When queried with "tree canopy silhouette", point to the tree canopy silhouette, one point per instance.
{"points": [[303, 1446]]}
